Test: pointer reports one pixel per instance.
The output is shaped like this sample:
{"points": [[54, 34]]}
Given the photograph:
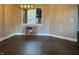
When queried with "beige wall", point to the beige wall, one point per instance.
{"points": [[63, 20], [12, 21], [1, 21], [56, 19]]}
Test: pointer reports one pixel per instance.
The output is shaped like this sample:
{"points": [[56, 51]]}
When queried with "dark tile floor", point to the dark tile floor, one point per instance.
{"points": [[37, 45]]}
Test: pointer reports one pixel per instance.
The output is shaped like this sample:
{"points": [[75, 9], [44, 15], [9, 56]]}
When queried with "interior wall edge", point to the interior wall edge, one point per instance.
{"points": [[6, 37], [52, 35]]}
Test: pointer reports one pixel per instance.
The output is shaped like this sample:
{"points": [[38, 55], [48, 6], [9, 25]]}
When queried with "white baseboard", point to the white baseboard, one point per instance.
{"points": [[19, 33], [44, 34], [1, 39], [61, 37], [31, 34], [66, 38]]}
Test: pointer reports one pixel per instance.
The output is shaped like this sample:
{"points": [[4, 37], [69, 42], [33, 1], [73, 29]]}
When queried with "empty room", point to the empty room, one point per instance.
{"points": [[39, 29]]}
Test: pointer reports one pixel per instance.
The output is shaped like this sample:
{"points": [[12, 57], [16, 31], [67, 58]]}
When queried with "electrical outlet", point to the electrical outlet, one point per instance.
{"points": [[71, 20], [61, 31]]}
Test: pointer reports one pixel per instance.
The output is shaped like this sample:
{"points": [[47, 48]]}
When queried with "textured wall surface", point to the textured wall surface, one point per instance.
{"points": [[1, 21], [12, 21], [63, 20]]}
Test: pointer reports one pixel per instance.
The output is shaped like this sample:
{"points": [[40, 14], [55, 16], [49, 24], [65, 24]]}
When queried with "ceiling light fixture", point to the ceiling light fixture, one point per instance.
{"points": [[23, 6]]}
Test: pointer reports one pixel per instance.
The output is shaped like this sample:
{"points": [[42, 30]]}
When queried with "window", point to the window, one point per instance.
{"points": [[32, 16]]}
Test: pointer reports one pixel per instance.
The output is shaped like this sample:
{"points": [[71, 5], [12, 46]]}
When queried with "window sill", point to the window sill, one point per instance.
{"points": [[31, 24]]}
